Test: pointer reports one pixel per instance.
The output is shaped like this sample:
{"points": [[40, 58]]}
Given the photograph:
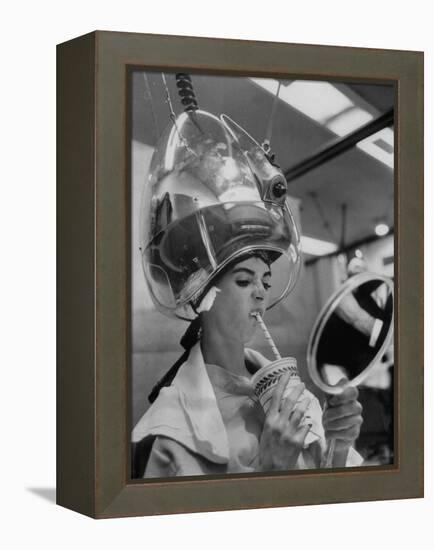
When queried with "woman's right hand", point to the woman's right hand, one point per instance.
{"points": [[283, 435]]}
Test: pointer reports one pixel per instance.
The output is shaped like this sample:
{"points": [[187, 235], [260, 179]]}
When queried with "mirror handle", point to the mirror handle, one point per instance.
{"points": [[327, 461]]}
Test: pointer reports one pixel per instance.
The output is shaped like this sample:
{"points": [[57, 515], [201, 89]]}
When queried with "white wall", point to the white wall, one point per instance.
{"points": [[30, 31], [376, 253]]}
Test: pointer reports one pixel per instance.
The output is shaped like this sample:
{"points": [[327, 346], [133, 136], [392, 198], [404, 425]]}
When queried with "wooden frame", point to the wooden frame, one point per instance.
{"points": [[93, 289]]}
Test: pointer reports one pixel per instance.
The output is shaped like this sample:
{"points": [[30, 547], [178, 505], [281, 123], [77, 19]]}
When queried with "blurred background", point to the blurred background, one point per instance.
{"points": [[335, 143]]}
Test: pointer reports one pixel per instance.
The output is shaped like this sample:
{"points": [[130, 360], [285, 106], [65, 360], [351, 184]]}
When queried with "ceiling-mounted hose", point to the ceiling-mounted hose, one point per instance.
{"points": [[186, 92]]}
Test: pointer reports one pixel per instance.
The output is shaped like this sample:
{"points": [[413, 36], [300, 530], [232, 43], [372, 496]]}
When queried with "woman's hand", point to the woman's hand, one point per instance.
{"points": [[342, 419], [283, 435]]}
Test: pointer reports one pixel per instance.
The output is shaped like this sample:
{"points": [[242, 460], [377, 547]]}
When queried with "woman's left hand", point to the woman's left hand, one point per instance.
{"points": [[342, 420]]}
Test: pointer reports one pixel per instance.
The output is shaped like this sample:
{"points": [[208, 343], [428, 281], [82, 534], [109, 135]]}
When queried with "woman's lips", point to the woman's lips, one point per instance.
{"points": [[255, 313]]}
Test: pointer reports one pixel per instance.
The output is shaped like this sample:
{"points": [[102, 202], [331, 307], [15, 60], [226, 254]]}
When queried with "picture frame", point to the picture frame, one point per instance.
{"points": [[93, 174]]}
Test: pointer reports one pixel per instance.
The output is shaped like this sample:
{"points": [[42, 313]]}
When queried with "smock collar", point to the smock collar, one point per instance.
{"points": [[200, 404], [187, 412]]}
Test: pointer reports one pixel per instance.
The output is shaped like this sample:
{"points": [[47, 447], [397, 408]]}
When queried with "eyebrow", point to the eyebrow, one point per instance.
{"points": [[250, 271]]}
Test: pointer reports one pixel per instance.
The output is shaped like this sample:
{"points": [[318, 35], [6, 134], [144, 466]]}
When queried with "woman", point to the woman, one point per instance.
{"points": [[218, 225], [209, 420]]}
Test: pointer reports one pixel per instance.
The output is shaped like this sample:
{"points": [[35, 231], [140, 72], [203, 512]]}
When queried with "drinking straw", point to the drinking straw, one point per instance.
{"points": [[267, 335]]}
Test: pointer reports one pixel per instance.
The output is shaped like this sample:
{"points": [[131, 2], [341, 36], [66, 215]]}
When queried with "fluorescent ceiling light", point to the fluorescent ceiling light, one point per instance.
{"points": [[349, 121], [369, 146], [317, 247], [317, 100]]}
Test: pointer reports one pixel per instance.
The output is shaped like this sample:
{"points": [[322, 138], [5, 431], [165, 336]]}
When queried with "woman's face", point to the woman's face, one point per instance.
{"points": [[244, 290]]}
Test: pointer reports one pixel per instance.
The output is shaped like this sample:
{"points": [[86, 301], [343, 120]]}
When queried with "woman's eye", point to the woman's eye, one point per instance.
{"points": [[245, 283]]}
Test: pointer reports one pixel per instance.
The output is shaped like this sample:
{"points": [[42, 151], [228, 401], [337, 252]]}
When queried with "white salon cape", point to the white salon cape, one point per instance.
{"points": [[210, 422]]}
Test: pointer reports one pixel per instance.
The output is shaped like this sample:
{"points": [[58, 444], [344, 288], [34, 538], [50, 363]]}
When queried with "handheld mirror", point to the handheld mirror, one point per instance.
{"points": [[352, 332]]}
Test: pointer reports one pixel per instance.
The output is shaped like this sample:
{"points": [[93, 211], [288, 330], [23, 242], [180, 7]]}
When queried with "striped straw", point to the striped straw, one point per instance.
{"points": [[267, 335]]}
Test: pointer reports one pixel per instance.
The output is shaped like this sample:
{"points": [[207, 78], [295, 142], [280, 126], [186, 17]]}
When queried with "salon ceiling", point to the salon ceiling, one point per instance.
{"points": [[354, 178]]}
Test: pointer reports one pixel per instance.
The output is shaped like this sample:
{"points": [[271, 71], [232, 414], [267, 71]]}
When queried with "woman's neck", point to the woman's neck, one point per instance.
{"points": [[225, 352]]}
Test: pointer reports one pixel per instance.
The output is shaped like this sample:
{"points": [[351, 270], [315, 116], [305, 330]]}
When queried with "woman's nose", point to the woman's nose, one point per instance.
{"points": [[259, 291]]}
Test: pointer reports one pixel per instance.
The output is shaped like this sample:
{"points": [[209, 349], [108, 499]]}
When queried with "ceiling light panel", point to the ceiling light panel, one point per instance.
{"points": [[369, 146], [317, 100], [316, 247], [349, 121]]}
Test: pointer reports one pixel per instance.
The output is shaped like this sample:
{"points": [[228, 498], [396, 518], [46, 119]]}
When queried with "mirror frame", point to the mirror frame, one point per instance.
{"points": [[324, 315]]}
